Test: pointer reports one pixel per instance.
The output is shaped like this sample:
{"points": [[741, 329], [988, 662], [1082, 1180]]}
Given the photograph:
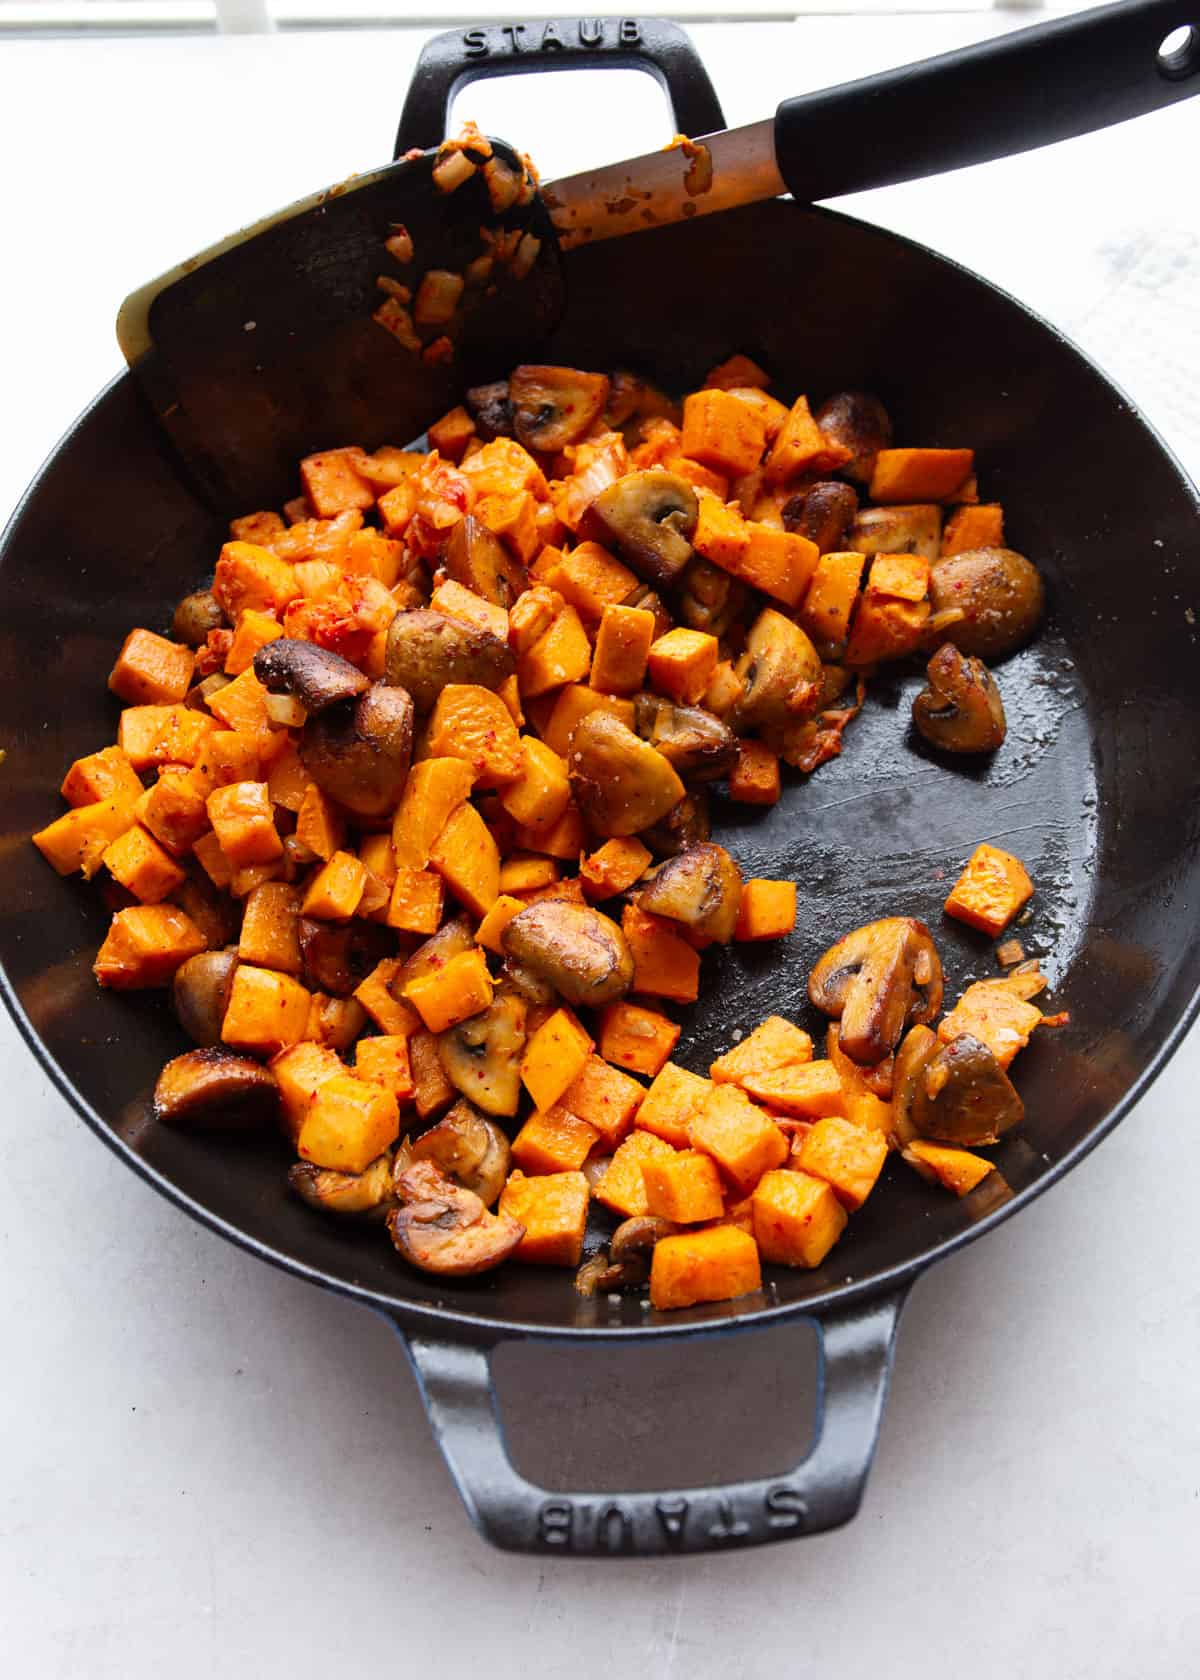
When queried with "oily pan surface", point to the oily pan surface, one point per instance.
{"points": [[1095, 787]]}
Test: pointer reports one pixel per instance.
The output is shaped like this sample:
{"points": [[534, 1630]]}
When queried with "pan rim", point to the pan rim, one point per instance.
{"points": [[468, 1326]]}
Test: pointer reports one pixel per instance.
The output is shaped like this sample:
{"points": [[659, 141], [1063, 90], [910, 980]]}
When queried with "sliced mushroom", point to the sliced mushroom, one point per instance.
{"points": [[200, 994], [709, 599], [469, 1150], [631, 400], [701, 887], [780, 672], [878, 981], [537, 992], [450, 940], [699, 746], [915, 528], [685, 824], [195, 616], [213, 1088], [578, 951], [823, 514], [476, 558], [620, 782], [649, 600], [366, 1195], [337, 957], [482, 1055], [649, 516], [442, 1228], [359, 752], [919, 1046], [962, 1095], [427, 650], [313, 675], [859, 422], [1000, 594], [627, 1262], [491, 408], [554, 406], [961, 710]]}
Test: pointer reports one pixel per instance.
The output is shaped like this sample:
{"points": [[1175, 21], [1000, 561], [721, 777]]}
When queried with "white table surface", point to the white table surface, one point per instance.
{"points": [[209, 1467]]}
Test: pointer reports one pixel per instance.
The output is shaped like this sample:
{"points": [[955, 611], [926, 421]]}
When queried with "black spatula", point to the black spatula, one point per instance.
{"points": [[316, 326]]}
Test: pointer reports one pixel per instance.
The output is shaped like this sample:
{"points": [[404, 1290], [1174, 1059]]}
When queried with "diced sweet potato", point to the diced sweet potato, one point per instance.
{"points": [[335, 891], [415, 901], [665, 965], [384, 1060], [957, 1169], [333, 483], [797, 1218], [435, 789], [990, 891], [523, 873], [621, 1187], [590, 579], [681, 663], [721, 534], [564, 839], [241, 704], [980, 526], [829, 603], [451, 434], [228, 755], [719, 431], [774, 1044], [562, 655], [270, 936], [904, 577], [606, 1098], [554, 1058], [997, 1013], [348, 1123], [744, 1142], [613, 867], [473, 724], [142, 866], [754, 779], [79, 838], [490, 929], [919, 475], [801, 446], [106, 774], [736, 371], [150, 735], [266, 1012], [254, 629], [250, 576], [767, 910], [572, 705], [319, 824], [669, 1106], [432, 1091], [144, 946], [848, 1157], [243, 820], [860, 1103], [467, 858], [553, 1210], [809, 1090], [553, 1140], [622, 648], [717, 1264], [299, 1072], [451, 994], [885, 629], [540, 793], [151, 671], [636, 1038], [780, 563], [684, 1187]]}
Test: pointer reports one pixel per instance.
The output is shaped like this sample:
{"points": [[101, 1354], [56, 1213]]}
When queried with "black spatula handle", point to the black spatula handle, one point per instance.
{"points": [[987, 101], [450, 61]]}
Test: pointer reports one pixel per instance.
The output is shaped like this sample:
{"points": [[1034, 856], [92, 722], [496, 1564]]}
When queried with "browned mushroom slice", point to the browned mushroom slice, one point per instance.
{"points": [[620, 783], [337, 957], [554, 406], [200, 994], [649, 516], [442, 1228], [878, 981], [685, 824], [196, 699], [823, 514], [627, 1261], [426, 650], [780, 672], [469, 1150], [1000, 594], [631, 400], [313, 675], [699, 746], [359, 752], [578, 951], [215, 1089], [364, 1195], [962, 1095], [476, 558], [195, 616], [482, 1055], [961, 710], [912, 529], [649, 600], [491, 408], [527, 984], [709, 599], [701, 887], [450, 940], [860, 423], [917, 1047]]}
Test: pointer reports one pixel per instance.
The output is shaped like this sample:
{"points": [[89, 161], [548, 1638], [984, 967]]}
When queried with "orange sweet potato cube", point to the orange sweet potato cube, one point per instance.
{"points": [[151, 671], [755, 779], [849, 1158], [378, 995], [919, 475], [553, 1140], [797, 1218], [229, 755], [106, 774], [774, 1043], [457, 601], [267, 1011], [243, 821], [522, 873], [256, 527], [254, 629], [668, 1107], [434, 790], [744, 1142], [376, 854], [704, 478], [242, 704], [664, 964], [540, 793], [636, 1038], [270, 935], [736, 371], [860, 1103], [150, 735], [491, 928], [684, 1187], [957, 1169], [622, 1188], [885, 629], [145, 945], [572, 705], [467, 858], [554, 1057], [717, 1264], [780, 563], [319, 824], [451, 434], [681, 663], [829, 602], [335, 891], [384, 1060], [553, 1209], [808, 1090], [174, 811], [767, 910], [981, 526], [562, 655], [590, 579], [613, 867], [471, 723], [415, 902], [333, 483], [299, 1072], [348, 1123], [250, 576], [142, 866], [606, 1098], [903, 577], [721, 534], [801, 446], [721, 432], [396, 508], [997, 1013], [80, 837], [453, 993], [564, 839], [622, 648], [990, 890]]}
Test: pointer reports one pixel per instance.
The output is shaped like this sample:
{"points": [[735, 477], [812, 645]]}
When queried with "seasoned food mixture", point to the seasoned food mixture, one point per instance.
{"points": [[408, 813]]}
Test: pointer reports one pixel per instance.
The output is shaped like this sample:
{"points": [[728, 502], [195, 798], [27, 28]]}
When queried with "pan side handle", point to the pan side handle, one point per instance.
{"points": [[822, 1492], [458, 56]]}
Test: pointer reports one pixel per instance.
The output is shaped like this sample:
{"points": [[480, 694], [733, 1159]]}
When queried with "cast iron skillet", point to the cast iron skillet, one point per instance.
{"points": [[1096, 788]]}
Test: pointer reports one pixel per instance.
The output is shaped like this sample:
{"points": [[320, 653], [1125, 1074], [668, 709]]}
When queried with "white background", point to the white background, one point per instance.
{"points": [[209, 1467]]}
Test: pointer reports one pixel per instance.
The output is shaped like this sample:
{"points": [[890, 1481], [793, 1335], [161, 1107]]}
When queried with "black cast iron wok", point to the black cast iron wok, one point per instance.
{"points": [[1096, 788]]}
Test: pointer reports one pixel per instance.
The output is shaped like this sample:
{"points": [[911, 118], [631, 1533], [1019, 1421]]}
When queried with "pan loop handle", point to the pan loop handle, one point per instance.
{"points": [[823, 1491], [450, 61]]}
